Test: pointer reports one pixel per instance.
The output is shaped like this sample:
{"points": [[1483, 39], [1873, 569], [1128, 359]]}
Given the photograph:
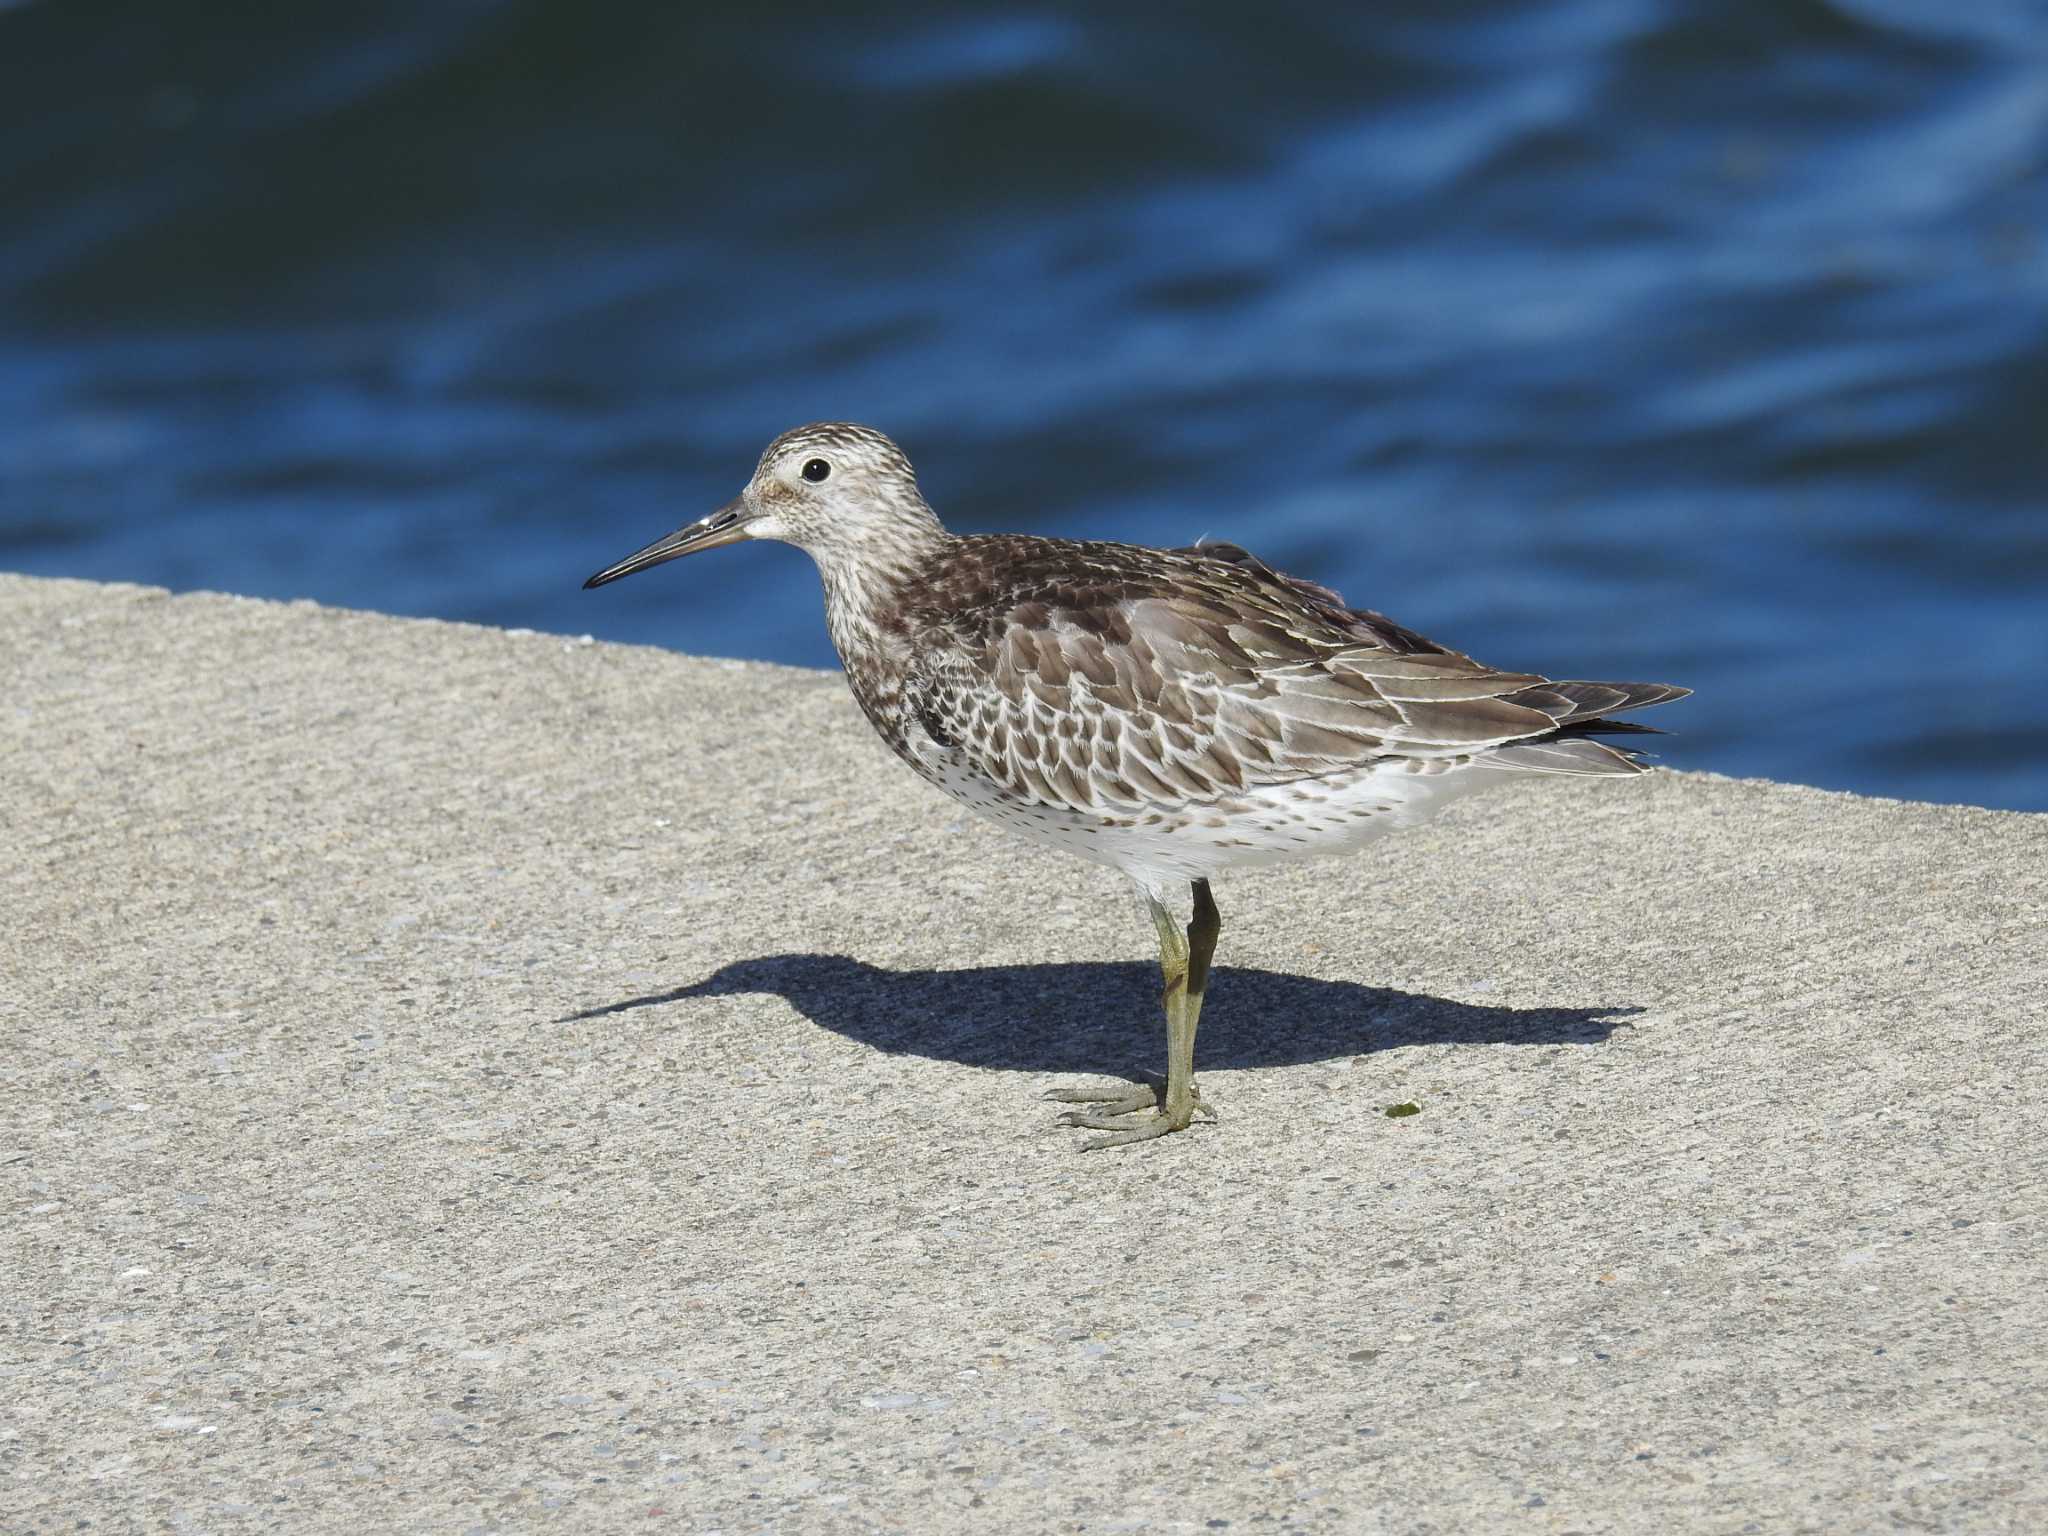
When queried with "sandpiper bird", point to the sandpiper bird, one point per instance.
{"points": [[1172, 713]]}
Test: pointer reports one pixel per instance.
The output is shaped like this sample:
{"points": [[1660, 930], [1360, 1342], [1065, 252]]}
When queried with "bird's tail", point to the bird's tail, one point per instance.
{"points": [[1581, 711]]}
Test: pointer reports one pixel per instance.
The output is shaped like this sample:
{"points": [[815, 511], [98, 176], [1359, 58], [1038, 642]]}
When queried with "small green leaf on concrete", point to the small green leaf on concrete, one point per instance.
{"points": [[1402, 1111]]}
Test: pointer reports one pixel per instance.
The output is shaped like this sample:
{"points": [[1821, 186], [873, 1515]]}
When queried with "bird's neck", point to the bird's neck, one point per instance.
{"points": [[868, 610], [865, 590]]}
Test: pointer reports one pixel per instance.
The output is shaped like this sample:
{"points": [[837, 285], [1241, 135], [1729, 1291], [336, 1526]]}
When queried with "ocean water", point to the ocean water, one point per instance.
{"points": [[1696, 342]]}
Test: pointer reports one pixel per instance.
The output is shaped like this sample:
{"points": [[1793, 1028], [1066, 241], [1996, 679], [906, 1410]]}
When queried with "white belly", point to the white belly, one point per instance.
{"points": [[1161, 846]]}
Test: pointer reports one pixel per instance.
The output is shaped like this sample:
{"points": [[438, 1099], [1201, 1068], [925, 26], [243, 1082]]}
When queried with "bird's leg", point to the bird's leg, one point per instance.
{"points": [[1200, 945], [1155, 1109]]}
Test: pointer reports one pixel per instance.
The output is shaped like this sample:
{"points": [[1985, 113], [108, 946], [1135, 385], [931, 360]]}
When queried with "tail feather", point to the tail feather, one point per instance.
{"points": [[1562, 754], [1569, 702], [1581, 711], [1600, 725]]}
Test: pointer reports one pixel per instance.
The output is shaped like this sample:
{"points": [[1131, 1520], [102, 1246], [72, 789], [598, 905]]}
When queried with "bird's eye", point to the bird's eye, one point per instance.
{"points": [[816, 470]]}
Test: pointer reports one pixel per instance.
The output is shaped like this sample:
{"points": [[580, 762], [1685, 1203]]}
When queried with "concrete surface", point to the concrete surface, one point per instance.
{"points": [[475, 1081]]}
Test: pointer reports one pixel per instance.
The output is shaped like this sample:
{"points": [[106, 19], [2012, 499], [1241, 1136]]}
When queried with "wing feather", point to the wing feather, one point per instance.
{"points": [[1169, 678]]}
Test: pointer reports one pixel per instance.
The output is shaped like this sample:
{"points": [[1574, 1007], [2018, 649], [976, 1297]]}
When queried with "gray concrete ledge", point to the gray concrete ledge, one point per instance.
{"points": [[467, 1080]]}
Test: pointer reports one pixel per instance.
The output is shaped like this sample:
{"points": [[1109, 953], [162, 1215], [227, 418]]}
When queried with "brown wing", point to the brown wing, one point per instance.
{"points": [[1109, 677]]}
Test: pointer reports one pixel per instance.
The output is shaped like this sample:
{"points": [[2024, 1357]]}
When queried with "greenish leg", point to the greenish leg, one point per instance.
{"points": [[1181, 1098], [1154, 1110]]}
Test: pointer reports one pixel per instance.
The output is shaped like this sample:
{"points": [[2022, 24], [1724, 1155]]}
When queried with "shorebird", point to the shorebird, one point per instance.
{"points": [[1171, 713]]}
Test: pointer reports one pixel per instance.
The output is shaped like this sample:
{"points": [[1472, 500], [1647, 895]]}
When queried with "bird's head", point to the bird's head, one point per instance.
{"points": [[833, 489]]}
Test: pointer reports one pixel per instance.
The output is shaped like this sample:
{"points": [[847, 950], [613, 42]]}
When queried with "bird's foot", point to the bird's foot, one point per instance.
{"points": [[1125, 1099], [1138, 1113]]}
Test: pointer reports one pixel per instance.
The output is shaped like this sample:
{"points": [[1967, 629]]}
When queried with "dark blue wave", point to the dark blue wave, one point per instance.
{"points": [[1703, 341]]}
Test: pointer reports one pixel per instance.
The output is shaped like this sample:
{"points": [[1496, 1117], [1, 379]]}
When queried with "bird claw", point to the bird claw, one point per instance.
{"points": [[1125, 1129], [1125, 1099], [1127, 1114]]}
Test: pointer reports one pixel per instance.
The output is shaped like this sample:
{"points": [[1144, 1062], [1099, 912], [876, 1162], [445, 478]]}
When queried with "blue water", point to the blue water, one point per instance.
{"points": [[1705, 343]]}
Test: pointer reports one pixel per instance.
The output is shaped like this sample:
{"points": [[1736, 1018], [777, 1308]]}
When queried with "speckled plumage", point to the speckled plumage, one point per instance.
{"points": [[1183, 712], [1170, 713]]}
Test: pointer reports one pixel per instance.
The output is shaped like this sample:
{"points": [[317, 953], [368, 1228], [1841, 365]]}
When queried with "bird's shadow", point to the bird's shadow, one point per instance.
{"points": [[1098, 1017]]}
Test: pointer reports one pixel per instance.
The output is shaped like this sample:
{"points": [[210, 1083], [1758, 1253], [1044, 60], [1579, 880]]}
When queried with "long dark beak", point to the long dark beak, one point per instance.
{"points": [[728, 525]]}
